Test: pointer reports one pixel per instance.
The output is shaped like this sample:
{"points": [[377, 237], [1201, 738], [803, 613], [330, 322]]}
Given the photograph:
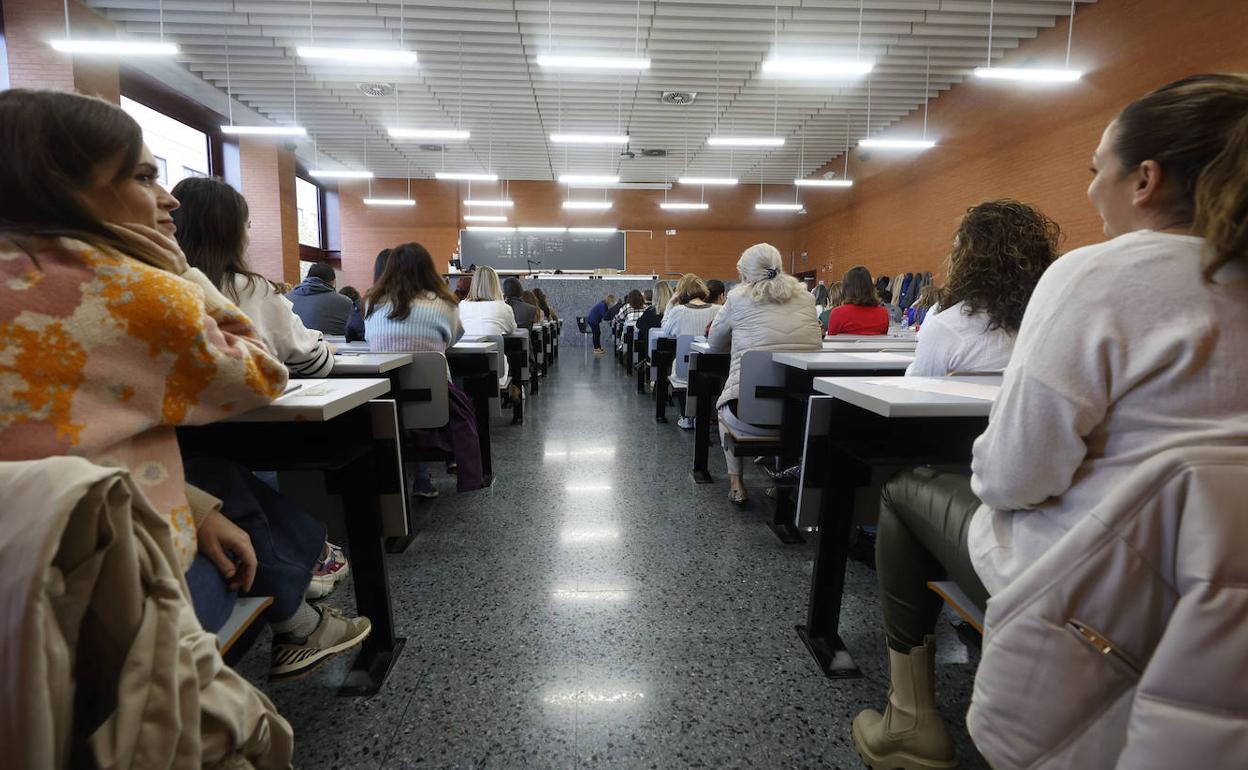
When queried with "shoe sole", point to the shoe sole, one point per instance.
{"points": [[310, 665], [900, 760]]}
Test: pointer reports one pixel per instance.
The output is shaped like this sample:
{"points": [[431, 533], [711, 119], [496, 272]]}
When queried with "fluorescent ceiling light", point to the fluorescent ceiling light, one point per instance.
{"points": [[115, 47], [466, 176], [428, 133], [707, 180], [778, 206], [588, 179], [480, 202], [389, 202], [745, 141], [480, 229], [816, 68], [484, 218], [593, 62], [542, 229], [334, 173], [898, 144], [357, 55], [823, 182], [589, 138], [682, 206], [593, 230], [265, 130], [1028, 74], [594, 205]]}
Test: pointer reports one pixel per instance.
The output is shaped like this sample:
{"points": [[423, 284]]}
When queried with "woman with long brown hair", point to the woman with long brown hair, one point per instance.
{"points": [[860, 311], [108, 342], [999, 253], [1093, 389]]}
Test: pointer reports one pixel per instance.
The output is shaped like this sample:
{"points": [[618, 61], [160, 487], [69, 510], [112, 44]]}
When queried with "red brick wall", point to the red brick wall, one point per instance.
{"points": [[30, 24], [707, 243], [268, 173], [1031, 143]]}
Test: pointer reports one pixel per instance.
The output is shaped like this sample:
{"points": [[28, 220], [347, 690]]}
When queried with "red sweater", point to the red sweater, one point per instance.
{"points": [[858, 319]]}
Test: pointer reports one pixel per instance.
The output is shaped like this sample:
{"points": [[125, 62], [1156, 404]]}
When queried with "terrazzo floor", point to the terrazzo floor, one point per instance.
{"points": [[596, 608]]}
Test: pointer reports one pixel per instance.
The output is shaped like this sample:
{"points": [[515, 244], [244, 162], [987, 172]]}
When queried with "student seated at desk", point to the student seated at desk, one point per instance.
{"points": [[317, 304], [531, 299], [769, 310], [999, 253], [860, 311], [928, 302], [212, 221], [411, 309], [355, 321], [112, 341], [652, 317], [1093, 389], [689, 313], [836, 295], [526, 314], [716, 292], [543, 305], [634, 306], [484, 313]]}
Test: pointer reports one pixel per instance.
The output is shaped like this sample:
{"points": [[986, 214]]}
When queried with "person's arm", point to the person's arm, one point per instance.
{"points": [[507, 317], [304, 351], [670, 319], [719, 338], [457, 328], [933, 351]]}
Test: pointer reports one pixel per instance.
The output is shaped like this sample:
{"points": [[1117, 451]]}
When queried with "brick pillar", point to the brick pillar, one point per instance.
{"points": [[268, 176], [30, 24]]}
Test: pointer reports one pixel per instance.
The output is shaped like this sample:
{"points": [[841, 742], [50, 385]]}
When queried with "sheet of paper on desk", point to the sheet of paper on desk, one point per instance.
{"points": [[942, 386], [319, 390], [880, 356]]}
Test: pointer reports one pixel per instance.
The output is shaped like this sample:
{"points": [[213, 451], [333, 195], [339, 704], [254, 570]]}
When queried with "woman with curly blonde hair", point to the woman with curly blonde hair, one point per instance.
{"points": [[1001, 250]]}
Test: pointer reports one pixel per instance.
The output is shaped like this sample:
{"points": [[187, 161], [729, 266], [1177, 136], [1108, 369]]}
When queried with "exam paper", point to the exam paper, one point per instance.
{"points": [[948, 387]]}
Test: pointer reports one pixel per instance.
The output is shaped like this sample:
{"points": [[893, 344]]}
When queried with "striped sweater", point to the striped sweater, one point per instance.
{"points": [[432, 325]]}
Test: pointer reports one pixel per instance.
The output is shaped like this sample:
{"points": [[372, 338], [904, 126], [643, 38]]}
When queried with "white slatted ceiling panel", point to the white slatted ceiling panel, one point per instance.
{"points": [[477, 69]]}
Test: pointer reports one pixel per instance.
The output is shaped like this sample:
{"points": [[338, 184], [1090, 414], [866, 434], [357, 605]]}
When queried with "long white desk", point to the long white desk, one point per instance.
{"points": [[350, 363], [318, 400], [839, 344], [915, 396], [831, 361]]}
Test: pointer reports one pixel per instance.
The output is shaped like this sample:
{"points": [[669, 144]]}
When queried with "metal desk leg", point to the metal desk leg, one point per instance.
{"points": [[481, 385], [381, 649], [701, 428], [792, 434], [660, 386]]}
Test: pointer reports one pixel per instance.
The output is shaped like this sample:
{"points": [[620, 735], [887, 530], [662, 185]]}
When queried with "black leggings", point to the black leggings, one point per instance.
{"points": [[924, 517], [597, 332]]}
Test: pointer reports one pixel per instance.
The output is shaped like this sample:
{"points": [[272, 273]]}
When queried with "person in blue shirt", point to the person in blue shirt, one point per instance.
{"points": [[596, 314]]}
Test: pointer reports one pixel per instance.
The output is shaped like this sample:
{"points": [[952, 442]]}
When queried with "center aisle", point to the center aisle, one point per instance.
{"points": [[597, 608]]}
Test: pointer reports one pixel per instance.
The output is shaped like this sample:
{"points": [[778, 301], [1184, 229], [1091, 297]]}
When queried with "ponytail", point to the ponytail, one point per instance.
{"points": [[1222, 201]]}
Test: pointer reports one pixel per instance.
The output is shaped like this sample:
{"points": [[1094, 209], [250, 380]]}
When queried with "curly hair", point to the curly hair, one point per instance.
{"points": [[1001, 250]]}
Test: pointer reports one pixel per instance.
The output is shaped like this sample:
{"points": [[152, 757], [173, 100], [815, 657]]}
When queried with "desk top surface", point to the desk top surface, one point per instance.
{"points": [[831, 361], [915, 396], [465, 348], [351, 363], [317, 400]]}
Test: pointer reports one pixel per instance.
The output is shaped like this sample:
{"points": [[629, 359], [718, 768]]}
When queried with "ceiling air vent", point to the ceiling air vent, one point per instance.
{"points": [[654, 153], [375, 89], [678, 97], [432, 148]]}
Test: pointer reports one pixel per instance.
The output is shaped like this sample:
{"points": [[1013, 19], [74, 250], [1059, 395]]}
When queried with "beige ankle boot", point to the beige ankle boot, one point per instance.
{"points": [[909, 735]]}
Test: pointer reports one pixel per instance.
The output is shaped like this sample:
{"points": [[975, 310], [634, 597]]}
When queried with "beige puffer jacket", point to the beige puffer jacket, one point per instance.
{"points": [[1125, 645], [744, 324]]}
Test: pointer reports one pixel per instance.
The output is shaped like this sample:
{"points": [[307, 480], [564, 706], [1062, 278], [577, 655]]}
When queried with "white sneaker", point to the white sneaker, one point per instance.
{"points": [[685, 422]]}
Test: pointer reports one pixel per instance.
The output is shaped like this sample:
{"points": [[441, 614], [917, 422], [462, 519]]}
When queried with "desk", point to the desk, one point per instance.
{"points": [[800, 370], [321, 427], [865, 427], [352, 364], [843, 344], [470, 362], [707, 374]]}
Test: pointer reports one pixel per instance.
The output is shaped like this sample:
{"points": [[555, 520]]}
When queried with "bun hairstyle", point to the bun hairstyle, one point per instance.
{"points": [[1196, 129], [762, 275]]}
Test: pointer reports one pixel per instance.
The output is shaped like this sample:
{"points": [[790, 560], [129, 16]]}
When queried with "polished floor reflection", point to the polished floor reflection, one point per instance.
{"points": [[596, 608]]}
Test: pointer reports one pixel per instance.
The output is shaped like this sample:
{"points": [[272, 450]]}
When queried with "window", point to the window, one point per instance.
{"points": [[308, 202], [181, 151]]}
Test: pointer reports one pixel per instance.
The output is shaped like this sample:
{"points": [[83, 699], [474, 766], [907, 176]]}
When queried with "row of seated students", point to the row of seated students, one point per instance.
{"points": [[1092, 388], [126, 311]]}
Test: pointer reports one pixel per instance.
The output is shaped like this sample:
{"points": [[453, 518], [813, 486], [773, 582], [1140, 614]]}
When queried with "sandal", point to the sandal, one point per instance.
{"points": [[736, 496]]}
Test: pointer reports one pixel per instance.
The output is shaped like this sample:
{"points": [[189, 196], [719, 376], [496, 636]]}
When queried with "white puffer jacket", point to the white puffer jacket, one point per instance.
{"points": [[1124, 645], [744, 324]]}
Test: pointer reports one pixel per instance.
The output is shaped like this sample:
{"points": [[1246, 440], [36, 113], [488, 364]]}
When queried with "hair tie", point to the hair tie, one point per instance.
{"points": [[772, 272]]}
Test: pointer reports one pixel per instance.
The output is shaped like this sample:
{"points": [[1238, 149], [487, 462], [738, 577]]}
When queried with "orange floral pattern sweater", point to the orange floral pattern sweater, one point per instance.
{"points": [[102, 356]]}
